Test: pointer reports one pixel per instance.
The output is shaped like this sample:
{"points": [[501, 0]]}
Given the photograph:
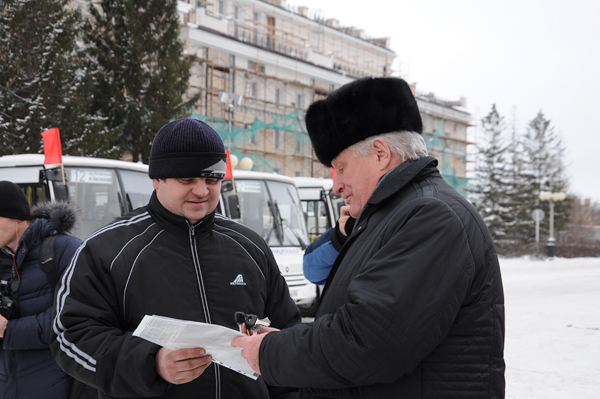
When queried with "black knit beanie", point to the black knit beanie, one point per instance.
{"points": [[187, 148], [13, 202]]}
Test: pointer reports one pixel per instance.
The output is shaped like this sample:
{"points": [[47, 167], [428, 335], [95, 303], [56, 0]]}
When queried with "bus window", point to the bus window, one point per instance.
{"points": [[97, 194], [138, 188]]}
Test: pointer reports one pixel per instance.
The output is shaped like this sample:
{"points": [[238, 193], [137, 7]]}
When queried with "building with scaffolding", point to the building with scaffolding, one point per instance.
{"points": [[445, 126], [277, 60], [261, 63]]}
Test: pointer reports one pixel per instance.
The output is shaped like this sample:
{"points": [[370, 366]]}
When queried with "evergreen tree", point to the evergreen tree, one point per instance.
{"points": [[521, 193], [545, 154], [141, 73], [489, 192], [44, 81]]}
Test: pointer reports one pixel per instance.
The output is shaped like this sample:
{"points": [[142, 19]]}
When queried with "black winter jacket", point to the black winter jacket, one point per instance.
{"points": [[27, 368], [152, 262], [414, 305]]}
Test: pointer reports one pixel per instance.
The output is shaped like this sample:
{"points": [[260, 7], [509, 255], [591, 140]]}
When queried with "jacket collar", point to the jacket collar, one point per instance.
{"points": [[177, 224], [398, 178]]}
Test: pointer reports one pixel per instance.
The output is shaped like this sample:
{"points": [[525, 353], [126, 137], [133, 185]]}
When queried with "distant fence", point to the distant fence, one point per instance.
{"points": [[515, 248]]}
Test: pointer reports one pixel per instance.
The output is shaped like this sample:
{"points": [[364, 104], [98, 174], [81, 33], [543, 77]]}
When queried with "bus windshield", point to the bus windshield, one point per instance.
{"points": [[272, 209]]}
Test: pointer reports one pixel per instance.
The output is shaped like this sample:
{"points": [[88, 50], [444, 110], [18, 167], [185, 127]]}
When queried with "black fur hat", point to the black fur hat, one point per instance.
{"points": [[358, 110]]}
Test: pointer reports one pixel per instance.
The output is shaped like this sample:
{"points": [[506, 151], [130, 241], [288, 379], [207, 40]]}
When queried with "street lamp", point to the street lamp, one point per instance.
{"points": [[231, 101], [551, 198]]}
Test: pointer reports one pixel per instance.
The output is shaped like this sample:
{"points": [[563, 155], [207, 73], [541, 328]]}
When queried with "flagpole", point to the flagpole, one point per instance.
{"points": [[62, 169], [229, 165]]}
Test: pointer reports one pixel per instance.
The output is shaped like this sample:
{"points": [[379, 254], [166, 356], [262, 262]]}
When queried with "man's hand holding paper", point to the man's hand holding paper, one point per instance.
{"points": [[183, 365], [175, 334]]}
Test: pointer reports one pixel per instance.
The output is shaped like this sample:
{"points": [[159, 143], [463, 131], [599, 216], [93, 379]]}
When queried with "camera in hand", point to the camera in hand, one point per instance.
{"points": [[8, 305]]}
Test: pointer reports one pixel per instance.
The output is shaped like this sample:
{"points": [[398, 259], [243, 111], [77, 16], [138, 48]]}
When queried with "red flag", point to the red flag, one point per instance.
{"points": [[228, 172], [332, 170], [52, 148]]}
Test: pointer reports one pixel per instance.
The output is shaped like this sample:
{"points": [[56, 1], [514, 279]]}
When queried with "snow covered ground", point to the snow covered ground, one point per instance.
{"points": [[552, 328], [552, 348]]}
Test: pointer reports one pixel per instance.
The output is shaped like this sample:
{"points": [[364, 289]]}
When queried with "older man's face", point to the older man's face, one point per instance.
{"points": [[355, 178]]}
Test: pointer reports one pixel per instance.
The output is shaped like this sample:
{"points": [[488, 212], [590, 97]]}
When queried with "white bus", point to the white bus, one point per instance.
{"points": [[321, 210], [104, 189], [269, 204], [320, 204]]}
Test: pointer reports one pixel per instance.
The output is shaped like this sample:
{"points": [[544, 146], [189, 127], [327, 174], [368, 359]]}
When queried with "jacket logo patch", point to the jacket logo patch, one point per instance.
{"points": [[239, 280]]}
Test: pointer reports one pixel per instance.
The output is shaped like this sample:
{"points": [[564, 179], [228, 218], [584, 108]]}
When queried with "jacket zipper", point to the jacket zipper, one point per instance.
{"points": [[196, 261]]}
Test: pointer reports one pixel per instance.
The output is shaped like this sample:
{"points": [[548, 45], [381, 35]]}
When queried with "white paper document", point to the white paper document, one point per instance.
{"points": [[181, 334]]}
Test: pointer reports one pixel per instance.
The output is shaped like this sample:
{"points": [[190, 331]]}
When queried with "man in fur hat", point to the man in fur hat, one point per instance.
{"points": [[27, 369], [413, 306]]}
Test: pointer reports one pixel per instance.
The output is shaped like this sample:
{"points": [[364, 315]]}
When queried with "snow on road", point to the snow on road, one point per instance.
{"points": [[552, 328]]}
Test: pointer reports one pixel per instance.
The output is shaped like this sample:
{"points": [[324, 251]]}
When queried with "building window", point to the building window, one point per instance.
{"points": [[253, 89], [231, 59], [279, 99], [300, 146], [220, 7], [278, 139], [254, 67], [300, 103]]}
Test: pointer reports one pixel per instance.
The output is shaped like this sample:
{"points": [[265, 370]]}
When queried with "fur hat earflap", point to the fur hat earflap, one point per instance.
{"points": [[358, 110]]}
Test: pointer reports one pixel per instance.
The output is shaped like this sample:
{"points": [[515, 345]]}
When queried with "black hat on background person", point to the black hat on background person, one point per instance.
{"points": [[187, 148], [358, 110], [13, 202]]}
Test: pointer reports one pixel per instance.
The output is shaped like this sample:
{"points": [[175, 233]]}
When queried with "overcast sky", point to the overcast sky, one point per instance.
{"points": [[525, 56]]}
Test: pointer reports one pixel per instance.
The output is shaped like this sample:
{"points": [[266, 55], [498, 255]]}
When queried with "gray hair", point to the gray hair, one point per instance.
{"points": [[408, 145]]}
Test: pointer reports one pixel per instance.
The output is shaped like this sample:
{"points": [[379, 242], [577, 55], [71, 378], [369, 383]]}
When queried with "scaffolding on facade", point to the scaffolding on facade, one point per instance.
{"points": [[265, 128], [268, 127]]}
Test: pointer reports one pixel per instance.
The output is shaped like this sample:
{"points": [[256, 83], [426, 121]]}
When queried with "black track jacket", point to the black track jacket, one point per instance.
{"points": [[152, 262], [415, 308]]}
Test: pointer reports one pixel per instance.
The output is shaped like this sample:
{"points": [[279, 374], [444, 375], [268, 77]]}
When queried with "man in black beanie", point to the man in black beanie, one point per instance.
{"points": [[176, 258], [28, 370], [413, 306]]}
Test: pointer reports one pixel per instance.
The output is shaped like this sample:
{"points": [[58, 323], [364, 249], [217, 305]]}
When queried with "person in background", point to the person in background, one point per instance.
{"points": [[176, 257], [414, 305], [27, 368], [321, 253]]}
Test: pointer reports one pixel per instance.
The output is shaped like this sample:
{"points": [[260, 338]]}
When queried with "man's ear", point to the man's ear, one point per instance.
{"points": [[383, 154], [155, 184]]}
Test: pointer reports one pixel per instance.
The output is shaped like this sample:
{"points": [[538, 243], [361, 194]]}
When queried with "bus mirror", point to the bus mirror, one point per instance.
{"points": [[234, 206], [61, 193]]}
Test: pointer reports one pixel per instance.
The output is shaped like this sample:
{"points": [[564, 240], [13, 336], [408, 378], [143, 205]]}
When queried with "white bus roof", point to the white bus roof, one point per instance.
{"points": [[24, 160], [38, 160], [251, 175], [306, 182]]}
